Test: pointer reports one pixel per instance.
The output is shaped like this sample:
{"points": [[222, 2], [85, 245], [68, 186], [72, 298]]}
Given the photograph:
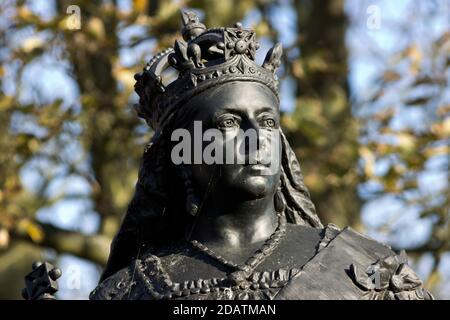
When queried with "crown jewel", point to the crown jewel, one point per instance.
{"points": [[206, 58]]}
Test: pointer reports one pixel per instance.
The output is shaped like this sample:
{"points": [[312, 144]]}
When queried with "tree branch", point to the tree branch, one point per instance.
{"points": [[94, 248]]}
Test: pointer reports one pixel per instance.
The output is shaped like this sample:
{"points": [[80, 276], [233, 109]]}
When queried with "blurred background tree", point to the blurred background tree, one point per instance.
{"points": [[405, 138], [365, 103]]}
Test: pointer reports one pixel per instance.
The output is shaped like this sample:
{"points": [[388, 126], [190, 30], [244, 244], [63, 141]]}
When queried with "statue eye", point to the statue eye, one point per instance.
{"points": [[270, 123], [229, 123]]}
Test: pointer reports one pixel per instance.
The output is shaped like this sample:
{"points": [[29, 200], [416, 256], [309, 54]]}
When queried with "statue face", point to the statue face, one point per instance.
{"points": [[233, 109]]}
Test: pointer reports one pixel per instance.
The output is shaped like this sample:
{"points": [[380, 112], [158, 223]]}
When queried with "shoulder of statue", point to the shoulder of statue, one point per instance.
{"points": [[115, 287], [144, 278], [328, 234], [390, 277], [350, 265], [379, 271]]}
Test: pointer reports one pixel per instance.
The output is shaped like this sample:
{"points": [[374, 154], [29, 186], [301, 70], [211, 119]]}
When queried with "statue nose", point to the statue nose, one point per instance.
{"points": [[251, 129], [249, 123]]}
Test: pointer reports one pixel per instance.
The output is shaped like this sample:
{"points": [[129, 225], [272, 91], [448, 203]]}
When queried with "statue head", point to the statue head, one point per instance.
{"points": [[243, 118], [210, 79]]}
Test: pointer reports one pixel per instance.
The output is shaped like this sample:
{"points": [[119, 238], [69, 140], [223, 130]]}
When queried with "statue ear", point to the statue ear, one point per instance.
{"points": [[273, 58]]}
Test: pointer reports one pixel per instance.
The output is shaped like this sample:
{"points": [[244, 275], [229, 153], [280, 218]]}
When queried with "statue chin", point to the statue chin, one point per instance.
{"points": [[255, 187], [247, 182]]}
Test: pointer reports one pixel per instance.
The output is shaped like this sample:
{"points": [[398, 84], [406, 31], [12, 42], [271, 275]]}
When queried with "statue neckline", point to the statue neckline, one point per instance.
{"points": [[243, 271]]}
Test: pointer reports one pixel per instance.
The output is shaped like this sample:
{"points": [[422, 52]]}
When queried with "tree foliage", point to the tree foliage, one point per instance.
{"points": [[76, 139], [408, 129]]}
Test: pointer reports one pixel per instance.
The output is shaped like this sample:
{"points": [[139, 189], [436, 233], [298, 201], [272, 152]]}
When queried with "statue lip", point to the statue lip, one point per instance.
{"points": [[261, 168], [258, 166]]}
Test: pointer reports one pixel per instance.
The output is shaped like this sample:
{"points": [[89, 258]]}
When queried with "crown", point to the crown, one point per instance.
{"points": [[203, 59]]}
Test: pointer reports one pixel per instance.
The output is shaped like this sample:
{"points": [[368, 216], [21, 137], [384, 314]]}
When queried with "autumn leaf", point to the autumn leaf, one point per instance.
{"points": [[140, 5], [4, 238], [32, 44], [33, 230], [96, 28], [390, 76], [369, 161]]}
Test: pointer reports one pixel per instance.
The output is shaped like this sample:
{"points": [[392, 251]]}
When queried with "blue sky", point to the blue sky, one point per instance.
{"points": [[364, 67]]}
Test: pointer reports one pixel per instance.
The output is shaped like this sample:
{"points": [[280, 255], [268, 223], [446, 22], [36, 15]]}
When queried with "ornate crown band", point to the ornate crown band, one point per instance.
{"points": [[205, 59]]}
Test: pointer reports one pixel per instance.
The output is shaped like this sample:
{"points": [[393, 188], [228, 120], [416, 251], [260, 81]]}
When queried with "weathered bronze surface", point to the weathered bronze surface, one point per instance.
{"points": [[233, 231]]}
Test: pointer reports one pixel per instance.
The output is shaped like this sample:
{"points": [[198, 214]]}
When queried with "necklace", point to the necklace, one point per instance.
{"points": [[242, 272]]}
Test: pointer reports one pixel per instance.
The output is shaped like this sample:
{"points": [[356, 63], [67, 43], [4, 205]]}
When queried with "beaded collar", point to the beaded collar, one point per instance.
{"points": [[242, 272], [159, 286], [242, 283]]}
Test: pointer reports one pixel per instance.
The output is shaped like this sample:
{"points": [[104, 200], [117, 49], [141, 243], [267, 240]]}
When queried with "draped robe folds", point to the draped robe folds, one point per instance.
{"points": [[309, 263]]}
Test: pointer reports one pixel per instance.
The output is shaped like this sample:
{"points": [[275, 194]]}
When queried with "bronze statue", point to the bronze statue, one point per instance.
{"points": [[233, 231]]}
